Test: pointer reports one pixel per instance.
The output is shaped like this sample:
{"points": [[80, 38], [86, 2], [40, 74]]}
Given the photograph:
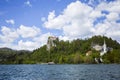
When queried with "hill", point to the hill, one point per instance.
{"points": [[75, 51], [9, 56], [64, 52]]}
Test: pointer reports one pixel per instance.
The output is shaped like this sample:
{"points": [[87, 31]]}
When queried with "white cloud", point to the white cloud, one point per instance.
{"points": [[113, 6], [54, 23], [28, 3], [71, 20], [27, 45], [28, 32], [110, 27], [77, 20], [10, 21], [101, 29], [42, 39], [112, 16], [63, 38], [35, 43], [31, 37], [95, 14], [9, 35]]}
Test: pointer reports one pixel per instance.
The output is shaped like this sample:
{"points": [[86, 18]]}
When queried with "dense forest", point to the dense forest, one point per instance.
{"points": [[65, 52], [9, 56]]}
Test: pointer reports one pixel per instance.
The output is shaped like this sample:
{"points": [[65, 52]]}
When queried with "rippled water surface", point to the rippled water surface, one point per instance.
{"points": [[60, 72]]}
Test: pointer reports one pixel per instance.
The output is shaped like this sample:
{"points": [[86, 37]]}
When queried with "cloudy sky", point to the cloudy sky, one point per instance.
{"points": [[26, 24]]}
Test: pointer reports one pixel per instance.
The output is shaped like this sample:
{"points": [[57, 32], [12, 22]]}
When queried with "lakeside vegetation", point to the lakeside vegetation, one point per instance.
{"points": [[65, 52]]}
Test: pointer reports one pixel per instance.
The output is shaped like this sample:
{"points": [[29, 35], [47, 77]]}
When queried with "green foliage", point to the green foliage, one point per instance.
{"points": [[9, 56], [112, 57], [73, 52], [78, 58], [88, 59]]}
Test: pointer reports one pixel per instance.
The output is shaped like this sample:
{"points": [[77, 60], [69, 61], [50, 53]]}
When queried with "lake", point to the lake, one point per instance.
{"points": [[60, 72]]}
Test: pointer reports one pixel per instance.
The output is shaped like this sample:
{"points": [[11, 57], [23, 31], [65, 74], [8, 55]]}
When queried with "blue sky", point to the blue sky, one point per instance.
{"points": [[26, 24], [31, 14]]}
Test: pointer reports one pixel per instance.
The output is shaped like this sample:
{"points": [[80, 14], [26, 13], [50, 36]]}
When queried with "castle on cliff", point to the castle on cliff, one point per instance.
{"points": [[50, 42]]}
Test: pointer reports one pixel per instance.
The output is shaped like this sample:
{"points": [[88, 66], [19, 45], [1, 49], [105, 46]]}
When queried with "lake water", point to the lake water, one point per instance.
{"points": [[60, 72]]}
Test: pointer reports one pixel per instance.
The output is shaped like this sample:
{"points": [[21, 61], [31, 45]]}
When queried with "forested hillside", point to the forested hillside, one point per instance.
{"points": [[75, 51], [9, 56], [65, 52]]}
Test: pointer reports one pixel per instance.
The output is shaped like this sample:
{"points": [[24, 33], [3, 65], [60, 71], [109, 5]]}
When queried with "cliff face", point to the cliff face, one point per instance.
{"points": [[50, 42]]}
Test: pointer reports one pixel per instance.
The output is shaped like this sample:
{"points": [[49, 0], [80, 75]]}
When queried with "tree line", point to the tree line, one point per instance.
{"points": [[65, 52]]}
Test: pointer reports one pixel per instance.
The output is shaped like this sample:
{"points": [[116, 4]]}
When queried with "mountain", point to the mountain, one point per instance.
{"points": [[5, 49]]}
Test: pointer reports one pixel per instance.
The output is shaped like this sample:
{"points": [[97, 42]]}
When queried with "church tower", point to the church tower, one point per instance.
{"points": [[104, 47]]}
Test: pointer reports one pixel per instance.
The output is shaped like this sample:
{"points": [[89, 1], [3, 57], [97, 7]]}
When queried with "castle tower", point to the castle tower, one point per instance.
{"points": [[50, 42]]}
